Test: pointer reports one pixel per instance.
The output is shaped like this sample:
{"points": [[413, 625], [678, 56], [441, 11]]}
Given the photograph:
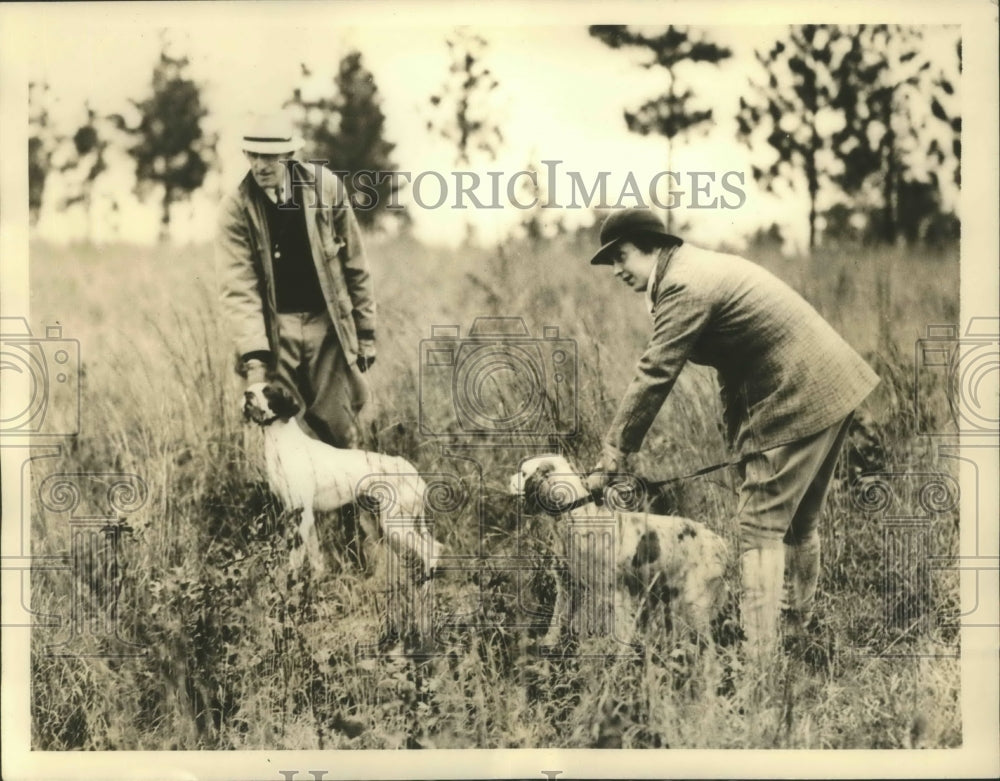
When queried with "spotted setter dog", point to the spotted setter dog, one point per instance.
{"points": [[668, 556]]}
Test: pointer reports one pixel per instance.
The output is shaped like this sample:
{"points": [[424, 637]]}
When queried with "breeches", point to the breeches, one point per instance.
{"points": [[311, 364], [784, 489]]}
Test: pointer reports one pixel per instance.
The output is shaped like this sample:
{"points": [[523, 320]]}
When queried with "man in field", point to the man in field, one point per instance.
{"points": [[296, 288], [789, 386]]}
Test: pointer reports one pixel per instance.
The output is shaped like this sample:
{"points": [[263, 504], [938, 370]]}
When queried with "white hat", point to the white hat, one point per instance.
{"points": [[271, 135]]}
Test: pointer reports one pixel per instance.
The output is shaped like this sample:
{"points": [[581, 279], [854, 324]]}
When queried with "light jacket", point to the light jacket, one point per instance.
{"points": [[783, 370], [245, 266]]}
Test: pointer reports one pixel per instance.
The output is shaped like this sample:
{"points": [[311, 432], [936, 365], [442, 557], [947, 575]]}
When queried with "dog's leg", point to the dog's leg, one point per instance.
{"points": [[297, 556], [626, 618], [560, 613], [309, 542], [369, 533], [698, 601], [692, 613]]}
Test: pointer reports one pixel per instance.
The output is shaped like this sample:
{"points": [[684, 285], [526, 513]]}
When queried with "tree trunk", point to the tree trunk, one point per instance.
{"points": [[168, 197], [669, 212], [812, 178], [889, 194], [670, 153], [88, 214], [813, 182]]}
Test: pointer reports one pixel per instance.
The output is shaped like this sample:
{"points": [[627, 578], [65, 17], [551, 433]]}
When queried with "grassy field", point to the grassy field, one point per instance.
{"points": [[239, 655]]}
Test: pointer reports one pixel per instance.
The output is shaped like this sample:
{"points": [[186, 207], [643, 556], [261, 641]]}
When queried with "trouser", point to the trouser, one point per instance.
{"points": [[311, 364], [781, 499]]}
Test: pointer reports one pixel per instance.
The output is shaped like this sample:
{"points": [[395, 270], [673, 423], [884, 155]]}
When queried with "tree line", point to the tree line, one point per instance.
{"points": [[859, 116]]}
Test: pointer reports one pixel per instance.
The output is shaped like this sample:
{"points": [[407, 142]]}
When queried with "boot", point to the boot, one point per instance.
{"points": [[802, 574], [763, 571], [805, 638]]}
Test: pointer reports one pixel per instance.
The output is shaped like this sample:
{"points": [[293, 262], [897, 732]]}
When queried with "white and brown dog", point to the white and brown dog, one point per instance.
{"points": [[310, 476], [675, 557]]}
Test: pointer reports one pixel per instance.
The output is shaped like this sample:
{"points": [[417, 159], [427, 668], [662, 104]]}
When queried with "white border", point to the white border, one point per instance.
{"points": [[979, 286]]}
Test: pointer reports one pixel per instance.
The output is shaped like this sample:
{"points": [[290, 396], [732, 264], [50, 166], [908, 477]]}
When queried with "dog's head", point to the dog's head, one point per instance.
{"points": [[263, 404], [547, 483]]}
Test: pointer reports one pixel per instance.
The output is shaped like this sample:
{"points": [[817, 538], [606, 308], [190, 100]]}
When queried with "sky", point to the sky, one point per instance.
{"points": [[561, 98]]}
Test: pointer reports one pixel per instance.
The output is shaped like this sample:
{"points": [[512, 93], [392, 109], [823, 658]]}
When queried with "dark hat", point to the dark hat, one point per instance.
{"points": [[622, 224]]}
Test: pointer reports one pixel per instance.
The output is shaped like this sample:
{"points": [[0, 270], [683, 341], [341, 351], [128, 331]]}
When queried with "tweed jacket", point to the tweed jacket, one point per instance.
{"points": [[784, 372], [245, 267]]}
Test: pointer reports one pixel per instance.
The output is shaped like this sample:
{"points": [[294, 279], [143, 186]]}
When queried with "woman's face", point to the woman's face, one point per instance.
{"points": [[632, 266]]}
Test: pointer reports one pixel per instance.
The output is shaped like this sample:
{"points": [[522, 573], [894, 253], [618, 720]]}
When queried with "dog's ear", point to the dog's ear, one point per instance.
{"points": [[536, 480], [281, 402]]}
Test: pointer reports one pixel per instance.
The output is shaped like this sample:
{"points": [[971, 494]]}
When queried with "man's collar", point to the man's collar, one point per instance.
{"points": [[656, 274], [651, 287]]}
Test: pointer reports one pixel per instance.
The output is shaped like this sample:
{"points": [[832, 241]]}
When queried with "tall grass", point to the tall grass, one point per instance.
{"points": [[239, 654]]}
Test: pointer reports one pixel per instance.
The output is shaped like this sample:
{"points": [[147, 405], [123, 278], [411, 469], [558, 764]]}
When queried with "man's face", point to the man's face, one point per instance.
{"points": [[632, 266], [267, 170]]}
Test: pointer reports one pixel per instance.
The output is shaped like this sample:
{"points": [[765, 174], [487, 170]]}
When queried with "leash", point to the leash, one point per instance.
{"points": [[647, 485], [697, 473], [588, 498]]}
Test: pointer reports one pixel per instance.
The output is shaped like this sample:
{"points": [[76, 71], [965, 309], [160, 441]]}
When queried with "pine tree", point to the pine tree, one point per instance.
{"points": [[346, 131], [794, 109], [672, 114], [87, 155], [463, 111], [892, 161], [172, 154], [41, 144]]}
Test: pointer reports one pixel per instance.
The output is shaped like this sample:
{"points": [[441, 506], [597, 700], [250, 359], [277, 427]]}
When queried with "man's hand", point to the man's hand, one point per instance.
{"points": [[366, 354], [613, 461]]}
